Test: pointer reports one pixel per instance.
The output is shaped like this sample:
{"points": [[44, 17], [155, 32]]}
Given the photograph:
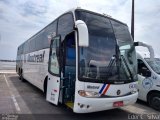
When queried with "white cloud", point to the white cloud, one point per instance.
{"points": [[20, 19]]}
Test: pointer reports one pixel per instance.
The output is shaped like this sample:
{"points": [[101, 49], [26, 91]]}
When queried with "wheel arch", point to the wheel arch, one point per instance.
{"points": [[151, 92], [45, 84]]}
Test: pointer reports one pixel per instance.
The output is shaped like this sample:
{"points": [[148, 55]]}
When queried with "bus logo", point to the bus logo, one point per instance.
{"points": [[36, 57], [118, 92], [92, 87]]}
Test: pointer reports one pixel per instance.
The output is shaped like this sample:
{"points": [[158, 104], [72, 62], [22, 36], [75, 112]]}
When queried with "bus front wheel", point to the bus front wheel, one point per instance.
{"points": [[154, 101], [45, 85]]}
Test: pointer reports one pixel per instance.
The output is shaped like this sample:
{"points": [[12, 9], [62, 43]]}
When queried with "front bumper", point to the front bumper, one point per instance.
{"points": [[87, 105]]}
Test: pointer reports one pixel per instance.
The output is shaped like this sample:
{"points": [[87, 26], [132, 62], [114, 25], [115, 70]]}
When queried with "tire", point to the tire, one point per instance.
{"points": [[21, 77], [154, 101], [19, 74]]}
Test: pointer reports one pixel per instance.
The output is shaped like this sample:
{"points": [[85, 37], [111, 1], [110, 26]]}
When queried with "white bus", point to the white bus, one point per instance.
{"points": [[82, 59]]}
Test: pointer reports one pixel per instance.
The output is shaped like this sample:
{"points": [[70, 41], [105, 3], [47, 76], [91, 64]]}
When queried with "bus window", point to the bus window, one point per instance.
{"points": [[65, 25], [155, 65], [70, 51], [53, 60]]}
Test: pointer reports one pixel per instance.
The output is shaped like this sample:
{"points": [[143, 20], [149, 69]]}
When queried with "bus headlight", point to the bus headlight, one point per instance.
{"points": [[84, 93]]}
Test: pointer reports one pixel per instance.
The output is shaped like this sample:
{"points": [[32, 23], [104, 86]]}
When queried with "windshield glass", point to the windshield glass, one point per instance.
{"points": [[102, 61], [127, 51], [155, 65]]}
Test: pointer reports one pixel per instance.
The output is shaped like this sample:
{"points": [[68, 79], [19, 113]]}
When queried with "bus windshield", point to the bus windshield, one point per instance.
{"points": [[155, 65], [106, 58]]}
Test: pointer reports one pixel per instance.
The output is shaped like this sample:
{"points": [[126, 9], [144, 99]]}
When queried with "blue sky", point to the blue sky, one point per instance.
{"points": [[20, 19]]}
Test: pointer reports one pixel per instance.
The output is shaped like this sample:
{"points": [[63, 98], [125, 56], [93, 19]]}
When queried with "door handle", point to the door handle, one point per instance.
{"points": [[57, 80]]}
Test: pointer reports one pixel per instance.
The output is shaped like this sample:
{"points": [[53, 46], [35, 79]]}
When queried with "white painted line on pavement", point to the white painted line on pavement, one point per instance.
{"points": [[6, 81], [7, 72], [12, 96], [15, 103]]}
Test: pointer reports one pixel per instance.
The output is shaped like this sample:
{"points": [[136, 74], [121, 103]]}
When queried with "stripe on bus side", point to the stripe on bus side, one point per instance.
{"points": [[106, 89], [101, 90]]}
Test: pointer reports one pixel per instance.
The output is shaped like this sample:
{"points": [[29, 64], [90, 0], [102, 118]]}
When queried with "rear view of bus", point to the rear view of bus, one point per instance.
{"points": [[94, 68]]}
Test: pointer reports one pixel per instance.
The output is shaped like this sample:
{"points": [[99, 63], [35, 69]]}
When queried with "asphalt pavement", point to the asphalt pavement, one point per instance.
{"points": [[22, 100]]}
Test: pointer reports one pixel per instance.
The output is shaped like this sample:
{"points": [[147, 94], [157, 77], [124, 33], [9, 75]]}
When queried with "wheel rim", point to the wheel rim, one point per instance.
{"points": [[156, 102]]}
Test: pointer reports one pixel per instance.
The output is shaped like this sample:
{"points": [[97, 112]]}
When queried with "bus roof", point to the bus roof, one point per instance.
{"points": [[69, 11], [99, 15]]}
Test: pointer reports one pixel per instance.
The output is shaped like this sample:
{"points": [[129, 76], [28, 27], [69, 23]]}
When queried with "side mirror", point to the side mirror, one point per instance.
{"points": [[146, 72], [82, 33], [136, 43], [149, 47]]}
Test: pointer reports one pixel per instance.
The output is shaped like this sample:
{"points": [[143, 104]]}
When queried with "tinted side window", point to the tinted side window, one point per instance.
{"points": [[18, 52], [65, 25], [26, 47], [20, 49], [51, 30], [53, 59], [32, 45], [39, 40], [42, 38], [24, 51]]}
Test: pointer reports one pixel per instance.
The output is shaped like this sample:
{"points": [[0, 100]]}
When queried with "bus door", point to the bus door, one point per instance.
{"points": [[53, 84], [69, 69]]}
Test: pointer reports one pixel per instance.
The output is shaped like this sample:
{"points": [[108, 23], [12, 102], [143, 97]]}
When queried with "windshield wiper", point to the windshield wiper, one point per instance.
{"points": [[110, 66], [127, 66]]}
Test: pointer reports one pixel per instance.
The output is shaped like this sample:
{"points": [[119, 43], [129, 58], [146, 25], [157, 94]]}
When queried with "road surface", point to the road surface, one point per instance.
{"points": [[21, 100]]}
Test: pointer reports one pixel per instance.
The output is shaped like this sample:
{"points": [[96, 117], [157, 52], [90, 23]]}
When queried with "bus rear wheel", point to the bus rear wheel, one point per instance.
{"points": [[21, 77], [154, 101], [19, 73]]}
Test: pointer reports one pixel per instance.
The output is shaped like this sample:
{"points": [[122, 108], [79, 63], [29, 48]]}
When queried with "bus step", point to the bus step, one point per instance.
{"points": [[69, 104]]}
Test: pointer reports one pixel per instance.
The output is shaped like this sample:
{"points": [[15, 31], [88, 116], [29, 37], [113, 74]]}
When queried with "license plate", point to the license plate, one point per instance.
{"points": [[118, 104]]}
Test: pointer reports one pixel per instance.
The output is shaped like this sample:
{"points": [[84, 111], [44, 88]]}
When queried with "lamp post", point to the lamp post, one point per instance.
{"points": [[132, 20]]}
